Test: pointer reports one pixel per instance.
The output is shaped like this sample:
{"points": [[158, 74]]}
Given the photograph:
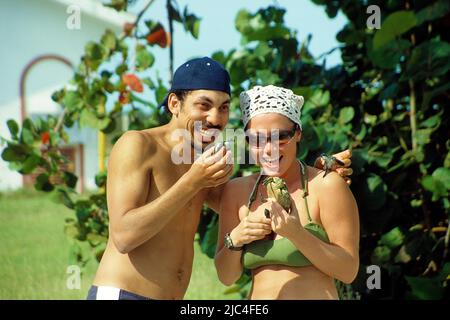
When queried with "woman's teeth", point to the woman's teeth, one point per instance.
{"points": [[271, 161]]}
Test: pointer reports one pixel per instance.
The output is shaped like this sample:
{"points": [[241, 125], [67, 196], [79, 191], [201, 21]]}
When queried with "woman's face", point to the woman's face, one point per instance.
{"points": [[272, 140]]}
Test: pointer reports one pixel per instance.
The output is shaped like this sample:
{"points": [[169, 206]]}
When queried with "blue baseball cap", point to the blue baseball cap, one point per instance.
{"points": [[201, 73]]}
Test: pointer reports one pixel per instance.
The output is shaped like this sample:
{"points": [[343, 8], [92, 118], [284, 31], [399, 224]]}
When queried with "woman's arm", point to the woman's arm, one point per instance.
{"points": [[339, 215], [253, 227], [228, 262]]}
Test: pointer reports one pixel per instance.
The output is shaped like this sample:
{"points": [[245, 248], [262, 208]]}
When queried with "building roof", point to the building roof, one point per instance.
{"points": [[97, 10]]}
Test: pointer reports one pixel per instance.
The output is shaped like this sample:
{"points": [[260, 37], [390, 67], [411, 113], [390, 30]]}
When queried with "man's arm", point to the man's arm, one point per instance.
{"points": [[214, 197], [344, 170], [132, 221]]}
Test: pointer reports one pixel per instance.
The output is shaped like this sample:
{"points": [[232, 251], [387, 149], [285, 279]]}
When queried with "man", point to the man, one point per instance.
{"points": [[154, 204]]}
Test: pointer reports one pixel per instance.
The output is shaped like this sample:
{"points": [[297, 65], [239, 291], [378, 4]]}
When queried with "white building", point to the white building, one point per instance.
{"points": [[32, 28]]}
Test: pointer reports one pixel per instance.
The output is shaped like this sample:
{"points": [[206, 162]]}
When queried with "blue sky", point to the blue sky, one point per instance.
{"points": [[217, 30]]}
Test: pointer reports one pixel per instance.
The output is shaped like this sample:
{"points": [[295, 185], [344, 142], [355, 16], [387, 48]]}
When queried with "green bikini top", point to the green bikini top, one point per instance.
{"points": [[281, 251]]}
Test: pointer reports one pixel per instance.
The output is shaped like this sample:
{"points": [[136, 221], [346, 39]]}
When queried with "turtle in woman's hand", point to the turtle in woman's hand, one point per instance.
{"points": [[277, 189]]}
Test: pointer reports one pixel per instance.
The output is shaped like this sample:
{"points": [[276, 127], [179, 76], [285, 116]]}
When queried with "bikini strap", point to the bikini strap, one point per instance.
{"points": [[254, 193], [304, 180]]}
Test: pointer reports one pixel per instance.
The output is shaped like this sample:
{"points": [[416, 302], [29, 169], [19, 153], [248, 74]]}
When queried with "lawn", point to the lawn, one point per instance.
{"points": [[34, 253]]}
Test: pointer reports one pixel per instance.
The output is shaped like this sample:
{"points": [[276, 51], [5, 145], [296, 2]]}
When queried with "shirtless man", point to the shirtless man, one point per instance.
{"points": [[154, 204]]}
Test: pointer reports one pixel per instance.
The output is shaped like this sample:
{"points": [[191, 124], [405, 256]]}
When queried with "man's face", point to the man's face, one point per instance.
{"points": [[204, 113]]}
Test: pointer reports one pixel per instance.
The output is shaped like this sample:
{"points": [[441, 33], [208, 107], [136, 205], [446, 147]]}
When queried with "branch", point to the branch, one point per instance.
{"points": [[138, 18], [140, 14], [169, 13], [60, 121]]}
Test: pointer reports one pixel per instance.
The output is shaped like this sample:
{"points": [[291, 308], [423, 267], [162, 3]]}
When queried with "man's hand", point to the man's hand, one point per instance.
{"points": [[341, 164], [211, 169]]}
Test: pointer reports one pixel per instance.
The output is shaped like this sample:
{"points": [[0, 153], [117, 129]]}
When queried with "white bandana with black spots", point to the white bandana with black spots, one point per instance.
{"points": [[271, 99]]}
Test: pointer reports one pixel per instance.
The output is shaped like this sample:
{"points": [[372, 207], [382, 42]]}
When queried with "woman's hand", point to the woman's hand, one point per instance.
{"points": [[283, 223], [343, 168], [253, 227]]}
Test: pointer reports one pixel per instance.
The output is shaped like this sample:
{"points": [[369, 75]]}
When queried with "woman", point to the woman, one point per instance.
{"points": [[297, 252]]}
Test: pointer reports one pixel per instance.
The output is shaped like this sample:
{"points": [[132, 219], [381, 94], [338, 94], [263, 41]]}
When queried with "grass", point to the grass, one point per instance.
{"points": [[34, 253]]}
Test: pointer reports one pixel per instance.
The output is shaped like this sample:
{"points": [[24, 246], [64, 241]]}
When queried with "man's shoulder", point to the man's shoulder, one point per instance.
{"points": [[135, 148], [140, 141]]}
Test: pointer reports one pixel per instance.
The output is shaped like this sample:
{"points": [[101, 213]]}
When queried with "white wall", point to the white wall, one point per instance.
{"points": [[29, 28]]}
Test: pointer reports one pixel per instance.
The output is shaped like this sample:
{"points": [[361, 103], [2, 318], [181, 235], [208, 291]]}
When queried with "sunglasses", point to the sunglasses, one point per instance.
{"points": [[259, 140]]}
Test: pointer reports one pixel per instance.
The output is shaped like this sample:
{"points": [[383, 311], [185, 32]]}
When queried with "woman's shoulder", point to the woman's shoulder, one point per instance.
{"points": [[240, 186], [325, 182], [240, 183]]}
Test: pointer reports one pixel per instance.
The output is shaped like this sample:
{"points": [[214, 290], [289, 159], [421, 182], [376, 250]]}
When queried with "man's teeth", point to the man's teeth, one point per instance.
{"points": [[207, 133]]}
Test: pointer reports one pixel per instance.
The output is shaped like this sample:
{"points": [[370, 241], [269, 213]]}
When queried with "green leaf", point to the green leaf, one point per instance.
{"points": [[346, 114], [382, 159], [54, 138], [96, 238], [435, 11], [148, 82], [100, 179], [121, 69], [15, 152], [88, 119], [425, 288], [175, 15], [389, 55], [64, 197], [118, 5], [320, 98], [362, 133], [429, 59], [160, 93], [242, 21], [42, 183], [13, 127], [433, 121], [262, 49], [381, 255], [27, 137], [144, 59], [31, 163], [423, 136], [208, 244], [70, 179], [107, 125], [196, 28], [374, 192], [395, 25], [267, 77], [72, 101], [416, 203], [392, 239], [443, 175], [436, 186], [71, 231], [94, 51], [109, 40]]}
